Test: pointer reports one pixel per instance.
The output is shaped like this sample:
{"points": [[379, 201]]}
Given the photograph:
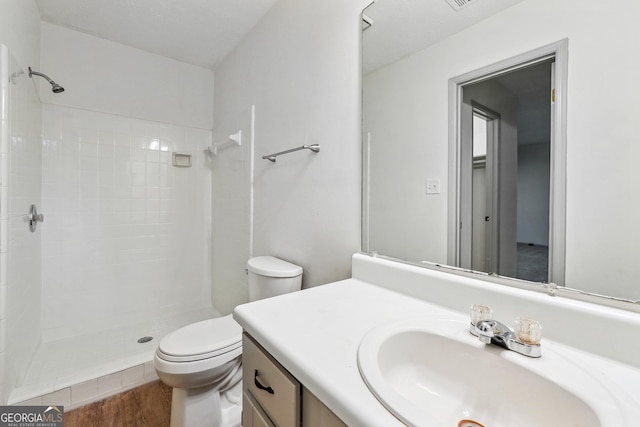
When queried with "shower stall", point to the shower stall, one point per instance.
{"points": [[121, 254]]}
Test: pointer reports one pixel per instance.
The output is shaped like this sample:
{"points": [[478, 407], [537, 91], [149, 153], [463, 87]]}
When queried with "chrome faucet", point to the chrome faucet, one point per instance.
{"points": [[494, 332]]}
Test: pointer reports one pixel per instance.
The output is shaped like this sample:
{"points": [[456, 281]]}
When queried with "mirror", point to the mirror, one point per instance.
{"points": [[414, 197]]}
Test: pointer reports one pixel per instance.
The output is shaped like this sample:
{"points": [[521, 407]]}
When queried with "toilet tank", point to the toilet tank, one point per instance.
{"points": [[270, 276]]}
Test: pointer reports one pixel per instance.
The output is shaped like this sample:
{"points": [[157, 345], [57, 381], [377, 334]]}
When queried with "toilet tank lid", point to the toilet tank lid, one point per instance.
{"points": [[273, 267]]}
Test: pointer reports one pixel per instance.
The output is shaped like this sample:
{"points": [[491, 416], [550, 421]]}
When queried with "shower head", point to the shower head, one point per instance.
{"points": [[55, 87]]}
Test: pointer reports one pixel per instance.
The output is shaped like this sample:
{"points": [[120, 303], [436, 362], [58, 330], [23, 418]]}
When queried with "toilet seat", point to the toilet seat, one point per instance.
{"points": [[201, 340]]}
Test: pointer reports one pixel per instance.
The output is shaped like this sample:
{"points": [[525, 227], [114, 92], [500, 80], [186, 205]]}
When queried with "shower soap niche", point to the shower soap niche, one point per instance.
{"points": [[181, 160]]}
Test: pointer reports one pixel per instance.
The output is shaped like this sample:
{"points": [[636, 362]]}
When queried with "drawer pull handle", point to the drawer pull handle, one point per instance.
{"points": [[260, 386]]}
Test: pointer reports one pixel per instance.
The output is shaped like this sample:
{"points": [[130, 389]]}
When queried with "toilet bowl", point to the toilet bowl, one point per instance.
{"points": [[202, 361]]}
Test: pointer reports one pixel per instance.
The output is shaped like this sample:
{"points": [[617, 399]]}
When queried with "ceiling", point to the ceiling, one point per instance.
{"points": [[400, 28], [204, 32], [199, 32], [403, 27]]}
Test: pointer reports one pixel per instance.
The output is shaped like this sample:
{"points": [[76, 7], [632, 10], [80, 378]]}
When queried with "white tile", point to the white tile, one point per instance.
{"points": [[119, 218], [3, 340], [3, 290], [30, 391], [4, 204], [88, 151], [109, 383], [132, 375], [51, 124], [4, 170], [106, 153], [36, 401], [4, 136], [84, 391], [123, 140], [60, 397], [150, 371], [4, 237], [3, 363]]}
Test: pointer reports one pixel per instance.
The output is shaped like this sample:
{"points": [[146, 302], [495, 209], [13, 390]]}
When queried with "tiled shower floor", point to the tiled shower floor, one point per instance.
{"points": [[112, 359]]}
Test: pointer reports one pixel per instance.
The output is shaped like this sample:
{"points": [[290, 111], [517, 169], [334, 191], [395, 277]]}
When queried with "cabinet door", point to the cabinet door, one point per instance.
{"points": [[316, 414], [274, 389], [252, 415]]}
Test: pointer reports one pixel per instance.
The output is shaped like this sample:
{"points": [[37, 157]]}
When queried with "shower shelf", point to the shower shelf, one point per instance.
{"points": [[234, 139]]}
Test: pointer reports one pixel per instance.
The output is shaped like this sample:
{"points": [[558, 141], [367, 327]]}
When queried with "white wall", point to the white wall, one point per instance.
{"points": [[20, 249], [533, 193], [602, 122], [20, 318], [20, 31], [300, 68], [24, 250], [101, 75], [406, 222], [4, 215]]}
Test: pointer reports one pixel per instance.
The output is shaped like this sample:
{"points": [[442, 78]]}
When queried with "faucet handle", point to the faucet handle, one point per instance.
{"points": [[479, 312], [529, 331]]}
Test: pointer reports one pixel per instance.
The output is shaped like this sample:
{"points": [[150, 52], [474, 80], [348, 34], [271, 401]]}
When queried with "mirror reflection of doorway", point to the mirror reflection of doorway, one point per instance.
{"points": [[509, 121], [484, 191]]}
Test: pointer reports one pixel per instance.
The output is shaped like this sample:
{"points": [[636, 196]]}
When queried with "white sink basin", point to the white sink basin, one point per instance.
{"points": [[432, 372]]}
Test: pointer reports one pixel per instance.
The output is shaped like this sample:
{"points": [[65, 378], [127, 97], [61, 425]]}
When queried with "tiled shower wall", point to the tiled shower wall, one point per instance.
{"points": [[126, 234], [4, 223], [20, 265]]}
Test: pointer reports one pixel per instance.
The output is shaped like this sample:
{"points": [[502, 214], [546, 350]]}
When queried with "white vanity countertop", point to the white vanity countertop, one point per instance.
{"points": [[315, 335]]}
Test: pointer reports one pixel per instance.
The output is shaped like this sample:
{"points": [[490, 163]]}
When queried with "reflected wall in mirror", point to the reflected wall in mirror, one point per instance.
{"points": [[410, 53]]}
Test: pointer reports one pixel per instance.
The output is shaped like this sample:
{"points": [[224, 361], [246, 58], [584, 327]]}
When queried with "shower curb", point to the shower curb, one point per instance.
{"points": [[92, 390]]}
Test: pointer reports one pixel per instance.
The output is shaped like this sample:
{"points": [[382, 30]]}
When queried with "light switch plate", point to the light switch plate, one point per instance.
{"points": [[432, 186]]}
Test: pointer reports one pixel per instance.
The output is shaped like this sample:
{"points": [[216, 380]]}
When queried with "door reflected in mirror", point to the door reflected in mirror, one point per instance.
{"points": [[482, 235], [506, 123]]}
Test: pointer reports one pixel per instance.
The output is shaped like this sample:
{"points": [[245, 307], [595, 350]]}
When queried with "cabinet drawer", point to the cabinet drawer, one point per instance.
{"points": [[275, 390]]}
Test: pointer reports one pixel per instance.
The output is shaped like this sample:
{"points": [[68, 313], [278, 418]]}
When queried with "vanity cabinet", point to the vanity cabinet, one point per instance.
{"points": [[272, 397], [271, 391]]}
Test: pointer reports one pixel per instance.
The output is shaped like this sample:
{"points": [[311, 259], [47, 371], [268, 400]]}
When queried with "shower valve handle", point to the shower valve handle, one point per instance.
{"points": [[33, 217]]}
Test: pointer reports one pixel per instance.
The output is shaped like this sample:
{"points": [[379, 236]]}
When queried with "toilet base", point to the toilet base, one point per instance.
{"points": [[206, 407]]}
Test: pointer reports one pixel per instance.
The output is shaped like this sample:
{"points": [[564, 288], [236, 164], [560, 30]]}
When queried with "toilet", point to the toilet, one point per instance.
{"points": [[202, 361]]}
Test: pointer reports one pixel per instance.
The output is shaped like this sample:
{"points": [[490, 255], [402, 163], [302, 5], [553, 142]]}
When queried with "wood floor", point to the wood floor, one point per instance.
{"points": [[145, 406]]}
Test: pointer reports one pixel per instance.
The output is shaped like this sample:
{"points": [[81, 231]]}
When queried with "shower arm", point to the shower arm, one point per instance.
{"points": [[35, 73]]}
